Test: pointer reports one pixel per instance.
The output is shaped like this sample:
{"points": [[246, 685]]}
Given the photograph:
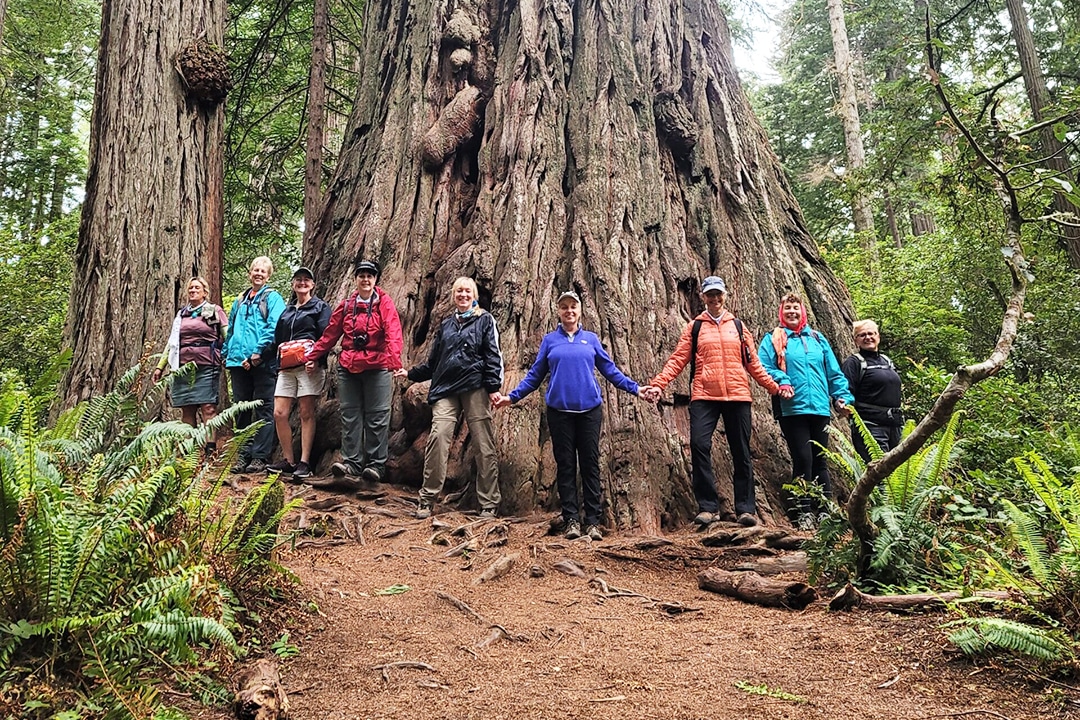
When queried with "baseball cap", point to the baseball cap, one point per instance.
{"points": [[569, 294], [303, 271], [366, 266], [713, 283]]}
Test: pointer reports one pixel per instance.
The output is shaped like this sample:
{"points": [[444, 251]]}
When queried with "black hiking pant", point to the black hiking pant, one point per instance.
{"points": [[806, 437], [704, 416], [575, 442]]}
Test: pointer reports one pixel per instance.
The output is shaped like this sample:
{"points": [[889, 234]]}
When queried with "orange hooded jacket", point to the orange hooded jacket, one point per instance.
{"points": [[719, 373]]}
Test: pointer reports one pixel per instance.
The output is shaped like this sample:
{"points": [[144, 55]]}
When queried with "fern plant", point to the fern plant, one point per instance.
{"points": [[914, 549], [116, 551], [1043, 569]]}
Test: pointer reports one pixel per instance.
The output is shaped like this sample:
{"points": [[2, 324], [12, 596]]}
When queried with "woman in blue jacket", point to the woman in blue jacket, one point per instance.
{"points": [[571, 355], [465, 370], [801, 358], [252, 366]]}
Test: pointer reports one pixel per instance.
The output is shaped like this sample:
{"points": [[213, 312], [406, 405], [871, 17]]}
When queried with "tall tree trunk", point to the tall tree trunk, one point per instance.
{"points": [[848, 109], [147, 208], [316, 129], [1038, 98], [602, 145], [3, 19]]}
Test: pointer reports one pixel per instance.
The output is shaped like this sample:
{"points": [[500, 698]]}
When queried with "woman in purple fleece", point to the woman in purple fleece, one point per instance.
{"points": [[571, 354]]}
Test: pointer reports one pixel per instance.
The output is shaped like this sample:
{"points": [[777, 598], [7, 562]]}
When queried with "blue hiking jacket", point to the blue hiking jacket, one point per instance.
{"points": [[812, 369], [249, 331], [572, 365]]}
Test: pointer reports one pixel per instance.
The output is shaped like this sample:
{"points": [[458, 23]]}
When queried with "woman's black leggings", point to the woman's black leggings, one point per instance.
{"points": [[807, 459]]}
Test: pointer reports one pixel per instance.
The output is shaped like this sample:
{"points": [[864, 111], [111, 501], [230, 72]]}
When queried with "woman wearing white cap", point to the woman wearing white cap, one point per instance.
{"points": [[718, 348], [571, 355], [300, 325]]}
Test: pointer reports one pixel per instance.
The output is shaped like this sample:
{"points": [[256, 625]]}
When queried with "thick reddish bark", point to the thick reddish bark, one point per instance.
{"points": [[152, 190], [316, 112], [610, 149]]}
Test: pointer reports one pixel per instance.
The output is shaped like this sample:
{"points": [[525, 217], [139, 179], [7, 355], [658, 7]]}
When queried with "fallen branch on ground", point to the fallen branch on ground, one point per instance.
{"points": [[851, 597], [752, 588], [411, 664]]}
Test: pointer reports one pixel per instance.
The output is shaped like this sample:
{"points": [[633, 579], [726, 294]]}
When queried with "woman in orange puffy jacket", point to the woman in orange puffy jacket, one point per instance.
{"points": [[719, 361]]}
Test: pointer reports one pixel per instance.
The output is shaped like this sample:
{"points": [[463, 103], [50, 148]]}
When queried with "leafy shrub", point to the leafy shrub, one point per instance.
{"points": [[916, 546], [117, 556]]}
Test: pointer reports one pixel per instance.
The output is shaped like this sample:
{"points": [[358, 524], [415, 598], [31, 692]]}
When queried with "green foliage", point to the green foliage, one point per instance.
{"points": [[117, 555], [916, 546]]}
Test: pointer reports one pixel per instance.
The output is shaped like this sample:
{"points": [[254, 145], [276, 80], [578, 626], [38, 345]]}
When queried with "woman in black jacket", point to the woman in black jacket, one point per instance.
{"points": [[876, 386], [300, 325], [465, 369]]}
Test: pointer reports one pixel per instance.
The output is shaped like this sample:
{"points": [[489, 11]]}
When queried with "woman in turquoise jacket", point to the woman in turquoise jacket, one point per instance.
{"points": [[801, 358], [252, 367]]}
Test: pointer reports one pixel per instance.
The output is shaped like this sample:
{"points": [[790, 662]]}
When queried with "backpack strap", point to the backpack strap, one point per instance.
{"points": [[742, 342], [693, 351], [264, 306]]}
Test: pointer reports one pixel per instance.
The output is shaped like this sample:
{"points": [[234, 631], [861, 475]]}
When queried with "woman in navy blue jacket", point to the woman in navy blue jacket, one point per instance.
{"points": [[300, 325], [465, 370], [571, 355]]}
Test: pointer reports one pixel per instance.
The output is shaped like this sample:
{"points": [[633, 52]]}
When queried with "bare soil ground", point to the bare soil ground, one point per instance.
{"points": [[565, 649]]}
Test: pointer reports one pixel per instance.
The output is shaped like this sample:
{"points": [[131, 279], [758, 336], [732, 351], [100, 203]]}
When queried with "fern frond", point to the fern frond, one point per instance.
{"points": [[978, 635]]}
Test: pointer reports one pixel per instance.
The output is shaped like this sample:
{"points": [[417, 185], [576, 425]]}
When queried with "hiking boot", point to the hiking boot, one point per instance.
{"points": [[301, 471], [747, 520], [573, 530], [423, 512], [258, 465], [340, 469], [705, 518], [594, 533], [488, 514], [281, 467], [240, 466], [807, 522], [371, 475]]}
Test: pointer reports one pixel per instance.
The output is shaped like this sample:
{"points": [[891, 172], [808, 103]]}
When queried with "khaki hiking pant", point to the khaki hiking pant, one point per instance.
{"points": [[445, 413]]}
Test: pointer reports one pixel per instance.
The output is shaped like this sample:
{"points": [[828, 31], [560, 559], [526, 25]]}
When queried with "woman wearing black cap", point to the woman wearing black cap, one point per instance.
{"points": [[368, 323], [300, 325]]}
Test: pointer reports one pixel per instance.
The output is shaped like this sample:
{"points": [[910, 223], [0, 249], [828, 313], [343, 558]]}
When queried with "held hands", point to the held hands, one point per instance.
{"points": [[400, 373], [498, 400], [649, 393], [786, 392]]}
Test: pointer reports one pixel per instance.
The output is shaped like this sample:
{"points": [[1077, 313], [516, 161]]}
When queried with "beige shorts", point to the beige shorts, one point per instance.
{"points": [[298, 382]]}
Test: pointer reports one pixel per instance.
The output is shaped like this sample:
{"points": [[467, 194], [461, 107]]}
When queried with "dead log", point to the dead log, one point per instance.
{"points": [[259, 695], [752, 588], [781, 540], [851, 597], [501, 566], [569, 567]]}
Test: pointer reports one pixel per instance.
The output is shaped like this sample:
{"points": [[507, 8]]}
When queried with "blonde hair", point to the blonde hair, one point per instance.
{"points": [[202, 281], [467, 282], [263, 260], [860, 325]]}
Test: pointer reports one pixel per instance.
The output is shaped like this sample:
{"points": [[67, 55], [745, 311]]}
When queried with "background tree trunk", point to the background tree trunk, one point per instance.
{"points": [[1038, 98], [316, 112], [848, 110], [148, 191], [605, 146]]}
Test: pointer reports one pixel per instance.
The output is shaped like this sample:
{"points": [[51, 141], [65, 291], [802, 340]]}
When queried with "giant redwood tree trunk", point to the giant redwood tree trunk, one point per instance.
{"points": [[153, 188], [540, 145]]}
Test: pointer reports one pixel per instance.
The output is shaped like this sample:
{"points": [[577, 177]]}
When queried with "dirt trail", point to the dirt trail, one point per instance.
{"points": [[581, 655]]}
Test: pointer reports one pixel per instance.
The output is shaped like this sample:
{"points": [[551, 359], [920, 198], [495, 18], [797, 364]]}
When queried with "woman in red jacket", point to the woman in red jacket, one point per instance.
{"points": [[370, 352], [719, 388]]}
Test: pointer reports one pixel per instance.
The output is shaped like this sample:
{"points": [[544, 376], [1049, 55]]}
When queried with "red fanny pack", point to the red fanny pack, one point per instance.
{"points": [[291, 354]]}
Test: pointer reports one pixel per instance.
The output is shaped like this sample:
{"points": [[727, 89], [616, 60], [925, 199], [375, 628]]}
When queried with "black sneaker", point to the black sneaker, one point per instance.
{"points": [[747, 520], [301, 471], [281, 467], [258, 465], [573, 530], [371, 475], [240, 466]]}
